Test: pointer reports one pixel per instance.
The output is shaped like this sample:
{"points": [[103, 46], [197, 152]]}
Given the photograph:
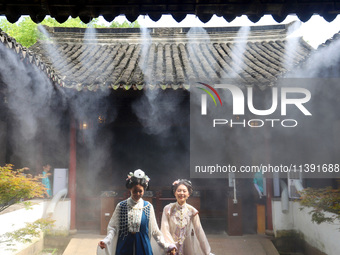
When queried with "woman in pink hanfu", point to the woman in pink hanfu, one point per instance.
{"points": [[181, 224]]}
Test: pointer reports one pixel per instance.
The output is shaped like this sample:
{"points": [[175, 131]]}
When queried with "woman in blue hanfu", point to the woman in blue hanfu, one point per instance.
{"points": [[133, 223], [181, 224]]}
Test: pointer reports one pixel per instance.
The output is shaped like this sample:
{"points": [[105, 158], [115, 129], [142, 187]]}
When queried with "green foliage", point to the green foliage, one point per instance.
{"points": [[68, 23], [15, 186], [322, 200], [26, 32], [26, 234], [134, 24], [51, 251]]}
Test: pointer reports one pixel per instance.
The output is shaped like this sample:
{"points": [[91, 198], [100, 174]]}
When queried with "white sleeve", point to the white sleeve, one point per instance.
{"points": [[113, 227], [202, 239], [165, 226], [156, 233]]}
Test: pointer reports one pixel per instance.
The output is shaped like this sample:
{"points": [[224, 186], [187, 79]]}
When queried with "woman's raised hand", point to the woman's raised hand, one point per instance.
{"points": [[102, 245]]}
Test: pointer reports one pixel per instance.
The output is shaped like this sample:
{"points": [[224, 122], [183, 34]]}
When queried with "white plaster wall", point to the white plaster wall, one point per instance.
{"points": [[281, 221], [325, 237], [62, 216], [16, 219]]}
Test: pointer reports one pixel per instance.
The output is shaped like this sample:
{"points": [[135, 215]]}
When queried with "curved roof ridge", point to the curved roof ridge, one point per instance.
{"points": [[329, 41], [29, 57]]}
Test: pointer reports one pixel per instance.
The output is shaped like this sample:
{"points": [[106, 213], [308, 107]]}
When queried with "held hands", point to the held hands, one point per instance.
{"points": [[172, 252], [102, 245], [172, 249]]}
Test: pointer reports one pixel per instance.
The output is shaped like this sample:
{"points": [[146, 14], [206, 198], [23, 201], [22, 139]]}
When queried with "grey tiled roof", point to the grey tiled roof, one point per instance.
{"points": [[172, 58], [27, 56], [331, 40], [324, 62]]}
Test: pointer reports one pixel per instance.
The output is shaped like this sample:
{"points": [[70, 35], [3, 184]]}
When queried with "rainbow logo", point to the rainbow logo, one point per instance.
{"points": [[204, 97], [209, 93]]}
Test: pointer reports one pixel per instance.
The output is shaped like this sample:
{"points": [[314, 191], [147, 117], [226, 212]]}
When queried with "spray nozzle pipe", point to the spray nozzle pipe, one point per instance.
{"points": [[235, 199]]}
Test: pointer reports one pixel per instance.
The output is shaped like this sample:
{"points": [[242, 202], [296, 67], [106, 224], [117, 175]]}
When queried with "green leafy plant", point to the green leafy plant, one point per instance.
{"points": [[15, 186], [27, 233], [50, 251], [125, 24], [321, 201], [26, 32]]}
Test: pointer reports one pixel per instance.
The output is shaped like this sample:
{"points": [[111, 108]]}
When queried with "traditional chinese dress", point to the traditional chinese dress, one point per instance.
{"points": [[131, 228], [181, 225]]}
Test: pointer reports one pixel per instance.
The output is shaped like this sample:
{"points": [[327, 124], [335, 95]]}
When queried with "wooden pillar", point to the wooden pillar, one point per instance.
{"points": [[72, 172]]}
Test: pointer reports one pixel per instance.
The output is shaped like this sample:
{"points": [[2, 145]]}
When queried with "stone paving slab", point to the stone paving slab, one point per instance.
{"points": [[86, 244], [83, 244], [241, 245]]}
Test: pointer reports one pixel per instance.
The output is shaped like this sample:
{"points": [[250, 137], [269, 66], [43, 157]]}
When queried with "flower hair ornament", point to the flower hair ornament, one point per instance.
{"points": [[181, 180], [138, 174], [175, 182]]}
